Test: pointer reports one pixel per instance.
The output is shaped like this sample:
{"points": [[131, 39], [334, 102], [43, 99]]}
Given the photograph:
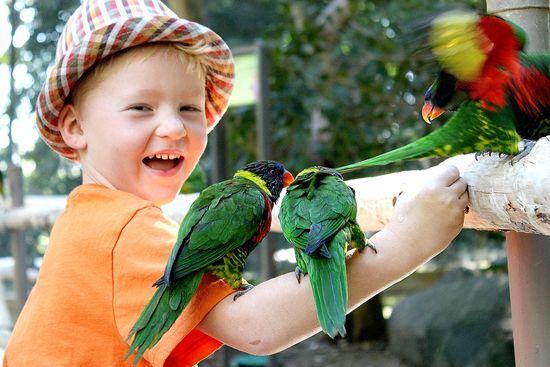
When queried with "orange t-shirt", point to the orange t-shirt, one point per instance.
{"points": [[106, 250]]}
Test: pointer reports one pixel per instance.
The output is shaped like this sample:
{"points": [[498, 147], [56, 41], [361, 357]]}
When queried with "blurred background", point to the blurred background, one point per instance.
{"points": [[318, 82]]}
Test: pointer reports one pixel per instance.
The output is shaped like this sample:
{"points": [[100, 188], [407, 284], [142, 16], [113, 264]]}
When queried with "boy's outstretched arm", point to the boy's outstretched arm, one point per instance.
{"points": [[279, 312]]}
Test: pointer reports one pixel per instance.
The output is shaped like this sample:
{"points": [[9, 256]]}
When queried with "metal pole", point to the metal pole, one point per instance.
{"points": [[529, 255]]}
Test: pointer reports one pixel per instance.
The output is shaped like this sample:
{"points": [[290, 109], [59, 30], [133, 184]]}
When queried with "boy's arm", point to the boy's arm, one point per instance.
{"points": [[280, 312]]}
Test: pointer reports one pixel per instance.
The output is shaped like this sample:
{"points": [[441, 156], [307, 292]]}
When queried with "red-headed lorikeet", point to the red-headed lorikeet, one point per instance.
{"points": [[501, 94], [223, 225]]}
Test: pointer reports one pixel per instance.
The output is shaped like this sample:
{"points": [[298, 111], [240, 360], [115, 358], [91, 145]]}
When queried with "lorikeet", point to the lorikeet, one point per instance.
{"points": [[223, 225], [318, 217], [501, 94]]}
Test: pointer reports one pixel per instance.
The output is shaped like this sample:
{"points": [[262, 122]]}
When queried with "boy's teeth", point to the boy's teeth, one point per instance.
{"points": [[164, 156]]}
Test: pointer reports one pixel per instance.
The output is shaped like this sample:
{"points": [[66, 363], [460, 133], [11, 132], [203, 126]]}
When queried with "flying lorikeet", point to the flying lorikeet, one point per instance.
{"points": [[318, 217], [501, 94], [210, 242]]}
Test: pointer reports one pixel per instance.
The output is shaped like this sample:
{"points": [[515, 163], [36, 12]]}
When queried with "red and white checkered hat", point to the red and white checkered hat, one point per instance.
{"points": [[99, 28]]}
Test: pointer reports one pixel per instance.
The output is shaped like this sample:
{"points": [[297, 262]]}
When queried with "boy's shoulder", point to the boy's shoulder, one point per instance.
{"points": [[95, 211], [101, 203]]}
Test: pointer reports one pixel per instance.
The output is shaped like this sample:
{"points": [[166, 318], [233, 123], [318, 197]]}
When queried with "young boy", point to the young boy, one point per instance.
{"points": [[131, 97]]}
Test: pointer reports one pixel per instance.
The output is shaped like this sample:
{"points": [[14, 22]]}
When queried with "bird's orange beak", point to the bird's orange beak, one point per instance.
{"points": [[287, 178], [430, 112]]}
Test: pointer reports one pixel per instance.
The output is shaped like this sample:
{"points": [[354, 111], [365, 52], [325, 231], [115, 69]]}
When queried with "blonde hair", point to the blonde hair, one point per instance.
{"points": [[191, 58]]}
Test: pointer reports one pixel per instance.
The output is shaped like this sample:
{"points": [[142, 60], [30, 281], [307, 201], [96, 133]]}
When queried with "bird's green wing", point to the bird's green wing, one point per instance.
{"points": [[332, 206], [227, 217], [294, 216]]}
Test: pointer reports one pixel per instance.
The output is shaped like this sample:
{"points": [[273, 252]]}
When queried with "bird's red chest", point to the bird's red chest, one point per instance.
{"points": [[265, 223]]}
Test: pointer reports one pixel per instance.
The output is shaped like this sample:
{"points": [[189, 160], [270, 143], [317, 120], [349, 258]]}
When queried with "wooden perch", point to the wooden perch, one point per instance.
{"points": [[503, 196]]}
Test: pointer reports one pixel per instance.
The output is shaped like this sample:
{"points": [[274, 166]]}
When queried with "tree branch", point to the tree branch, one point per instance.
{"points": [[503, 196]]}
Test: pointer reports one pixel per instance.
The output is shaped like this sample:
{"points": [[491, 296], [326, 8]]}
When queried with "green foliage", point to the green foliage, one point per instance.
{"points": [[196, 182], [39, 51], [52, 174], [240, 22]]}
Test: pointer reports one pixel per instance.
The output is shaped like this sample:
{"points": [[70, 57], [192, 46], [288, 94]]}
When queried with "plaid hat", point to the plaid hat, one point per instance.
{"points": [[99, 28]]}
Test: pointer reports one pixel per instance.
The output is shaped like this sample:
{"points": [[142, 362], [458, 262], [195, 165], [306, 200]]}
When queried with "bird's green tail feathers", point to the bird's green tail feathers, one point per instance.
{"points": [[471, 129], [330, 289], [160, 313]]}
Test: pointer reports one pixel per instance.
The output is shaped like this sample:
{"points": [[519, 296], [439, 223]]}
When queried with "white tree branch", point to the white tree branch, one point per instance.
{"points": [[503, 196]]}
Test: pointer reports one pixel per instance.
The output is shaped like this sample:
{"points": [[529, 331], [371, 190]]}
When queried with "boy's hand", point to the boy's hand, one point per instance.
{"points": [[430, 213]]}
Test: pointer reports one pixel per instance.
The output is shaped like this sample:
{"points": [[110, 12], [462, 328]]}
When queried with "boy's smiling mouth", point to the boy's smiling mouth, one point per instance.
{"points": [[163, 162]]}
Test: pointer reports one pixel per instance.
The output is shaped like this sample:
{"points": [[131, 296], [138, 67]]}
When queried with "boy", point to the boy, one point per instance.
{"points": [[134, 110]]}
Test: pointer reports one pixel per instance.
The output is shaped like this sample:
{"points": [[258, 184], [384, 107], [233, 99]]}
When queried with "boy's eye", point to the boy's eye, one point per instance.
{"points": [[190, 108], [140, 107]]}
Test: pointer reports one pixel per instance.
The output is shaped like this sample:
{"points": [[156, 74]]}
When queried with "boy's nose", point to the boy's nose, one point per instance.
{"points": [[171, 127]]}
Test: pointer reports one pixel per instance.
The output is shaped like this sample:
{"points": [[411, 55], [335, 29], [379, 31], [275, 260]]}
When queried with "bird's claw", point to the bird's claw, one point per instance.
{"points": [[245, 288], [482, 154], [298, 273], [525, 147], [371, 245], [489, 153]]}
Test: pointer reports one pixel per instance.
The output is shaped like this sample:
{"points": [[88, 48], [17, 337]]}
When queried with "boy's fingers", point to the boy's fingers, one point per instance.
{"points": [[464, 195], [459, 186], [445, 174]]}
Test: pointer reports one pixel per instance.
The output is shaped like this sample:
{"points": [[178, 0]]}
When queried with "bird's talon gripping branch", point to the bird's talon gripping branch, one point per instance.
{"points": [[371, 245], [525, 147], [298, 273], [245, 288]]}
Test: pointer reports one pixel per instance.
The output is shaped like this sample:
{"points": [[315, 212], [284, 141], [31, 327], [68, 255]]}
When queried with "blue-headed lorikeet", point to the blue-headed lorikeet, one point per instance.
{"points": [[318, 216], [223, 225], [501, 94]]}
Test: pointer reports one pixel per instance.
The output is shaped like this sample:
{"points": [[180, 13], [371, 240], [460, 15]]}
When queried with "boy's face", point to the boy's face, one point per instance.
{"points": [[144, 126]]}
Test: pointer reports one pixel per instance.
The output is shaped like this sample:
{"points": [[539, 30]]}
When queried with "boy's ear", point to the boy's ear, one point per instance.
{"points": [[70, 128]]}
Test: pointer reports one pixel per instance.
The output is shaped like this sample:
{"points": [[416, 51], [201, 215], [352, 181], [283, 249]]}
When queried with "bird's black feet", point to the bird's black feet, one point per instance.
{"points": [[245, 288], [525, 147], [371, 245], [299, 274], [487, 152]]}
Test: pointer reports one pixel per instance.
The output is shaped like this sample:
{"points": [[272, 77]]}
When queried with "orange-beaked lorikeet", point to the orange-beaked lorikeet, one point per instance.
{"points": [[318, 217], [501, 94], [223, 225]]}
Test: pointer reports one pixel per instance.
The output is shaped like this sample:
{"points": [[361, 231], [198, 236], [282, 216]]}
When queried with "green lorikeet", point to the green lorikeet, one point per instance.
{"points": [[223, 225], [317, 217], [501, 94]]}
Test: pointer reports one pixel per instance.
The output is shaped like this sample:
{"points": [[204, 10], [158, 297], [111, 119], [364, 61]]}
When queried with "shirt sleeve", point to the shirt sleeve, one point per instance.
{"points": [[139, 259]]}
